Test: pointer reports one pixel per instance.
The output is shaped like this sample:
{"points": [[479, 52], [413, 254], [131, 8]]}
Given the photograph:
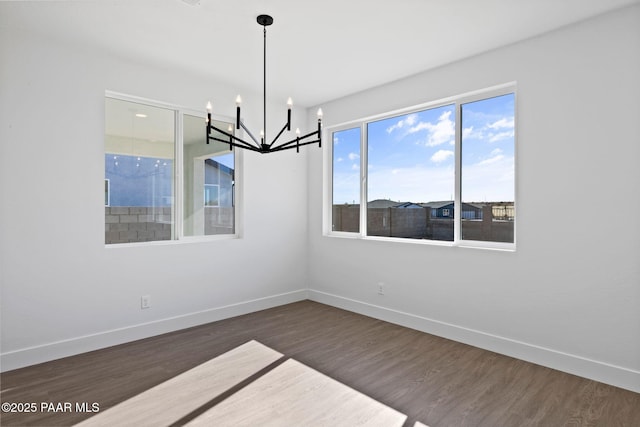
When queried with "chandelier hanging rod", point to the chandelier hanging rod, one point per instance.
{"points": [[262, 146]]}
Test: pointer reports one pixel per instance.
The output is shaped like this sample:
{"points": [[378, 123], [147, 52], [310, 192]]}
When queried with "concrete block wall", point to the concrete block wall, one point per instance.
{"points": [[137, 224], [418, 224]]}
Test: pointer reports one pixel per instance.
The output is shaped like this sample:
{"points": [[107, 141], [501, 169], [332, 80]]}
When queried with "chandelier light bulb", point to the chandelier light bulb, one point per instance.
{"points": [[289, 102], [209, 107], [238, 100]]}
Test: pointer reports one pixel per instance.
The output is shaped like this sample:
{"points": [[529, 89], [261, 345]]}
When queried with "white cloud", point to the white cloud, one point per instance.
{"points": [[416, 184], [443, 131], [353, 156], [339, 159], [471, 133], [408, 121], [495, 157], [498, 130], [495, 137], [441, 155], [503, 123], [421, 126], [490, 179], [423, 184], [491, 160]]}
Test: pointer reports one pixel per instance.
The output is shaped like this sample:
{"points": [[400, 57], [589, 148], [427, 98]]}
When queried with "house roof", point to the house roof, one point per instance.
{"points": [[437, 205], [442, 204], [383, 203], [408, 205]]}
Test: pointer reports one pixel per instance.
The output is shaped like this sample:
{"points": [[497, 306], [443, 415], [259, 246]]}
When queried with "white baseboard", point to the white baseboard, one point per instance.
{"points": [[576, 365], [47, 352]]}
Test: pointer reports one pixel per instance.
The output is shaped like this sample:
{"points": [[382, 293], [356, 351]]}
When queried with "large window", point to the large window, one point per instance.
{"points": [[144, 200], [445, 172]]}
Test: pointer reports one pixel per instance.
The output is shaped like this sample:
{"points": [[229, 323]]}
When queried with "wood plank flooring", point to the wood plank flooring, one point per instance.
{"points": [[171, 400], [293, 394], [432, 380]]}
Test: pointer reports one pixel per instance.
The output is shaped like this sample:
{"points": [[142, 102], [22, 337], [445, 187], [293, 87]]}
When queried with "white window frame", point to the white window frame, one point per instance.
{"points": [[177, 210], [458, 100], [328, 174]]}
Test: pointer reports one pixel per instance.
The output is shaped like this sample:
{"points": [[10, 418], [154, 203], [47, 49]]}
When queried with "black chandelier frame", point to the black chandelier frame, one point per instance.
{"points": [[256, 145]]}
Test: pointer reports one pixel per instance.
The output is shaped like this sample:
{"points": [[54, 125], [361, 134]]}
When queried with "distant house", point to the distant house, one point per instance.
{"points": [[382, 204], [472, 210], [386, 203], [218, 184], [503, 211], [445, 209], [439, 209]]}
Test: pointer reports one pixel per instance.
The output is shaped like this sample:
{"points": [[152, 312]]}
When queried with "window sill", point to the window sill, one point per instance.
{"points": [[181, 241], [470, 244]]}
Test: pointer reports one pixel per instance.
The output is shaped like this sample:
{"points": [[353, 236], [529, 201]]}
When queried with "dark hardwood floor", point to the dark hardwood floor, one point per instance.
{"points": [[433, 380]]}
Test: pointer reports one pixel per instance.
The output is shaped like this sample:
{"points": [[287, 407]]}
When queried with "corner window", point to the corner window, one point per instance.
{"points": [[442, 173], [143, 199]]}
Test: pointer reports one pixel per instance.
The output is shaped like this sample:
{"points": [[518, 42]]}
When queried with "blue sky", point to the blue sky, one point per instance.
{"points": [[225, 159], [412, 157]]}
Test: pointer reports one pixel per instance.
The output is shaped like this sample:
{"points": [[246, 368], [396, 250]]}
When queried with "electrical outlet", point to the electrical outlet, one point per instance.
{"points": [[380, 288], [145, 301]]}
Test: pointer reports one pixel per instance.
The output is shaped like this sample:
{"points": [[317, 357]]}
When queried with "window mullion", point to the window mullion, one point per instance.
{"points": [[363, 178], [457, 205], [178, 181]]}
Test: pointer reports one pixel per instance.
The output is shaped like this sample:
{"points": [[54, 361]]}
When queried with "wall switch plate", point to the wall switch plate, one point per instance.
{"points": [[145, 301], [380, 288]]}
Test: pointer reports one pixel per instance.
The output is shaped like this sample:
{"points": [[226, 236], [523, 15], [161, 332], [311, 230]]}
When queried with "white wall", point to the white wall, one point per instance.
{"points": [[569, 297], [62, 290]]}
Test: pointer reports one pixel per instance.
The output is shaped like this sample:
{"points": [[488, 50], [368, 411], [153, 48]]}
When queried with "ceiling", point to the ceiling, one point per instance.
{"points": [[317, 51]]}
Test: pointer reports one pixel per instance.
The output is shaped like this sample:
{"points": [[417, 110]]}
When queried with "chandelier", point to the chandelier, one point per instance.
{"points": [[262, 146]]}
